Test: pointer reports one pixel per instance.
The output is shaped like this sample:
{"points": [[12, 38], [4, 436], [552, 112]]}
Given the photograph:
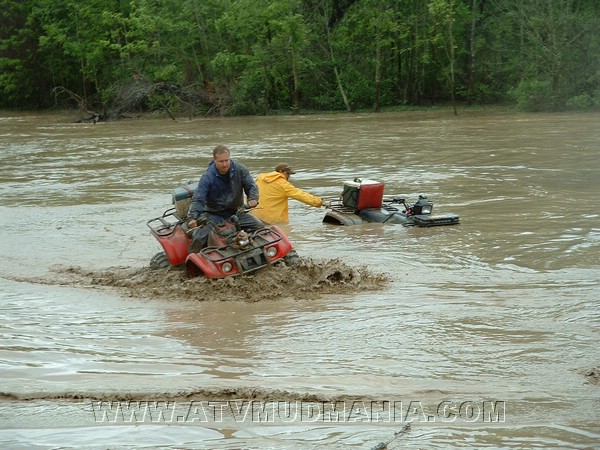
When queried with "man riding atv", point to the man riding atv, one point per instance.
{"points": [[218, 237], [219, 195]]}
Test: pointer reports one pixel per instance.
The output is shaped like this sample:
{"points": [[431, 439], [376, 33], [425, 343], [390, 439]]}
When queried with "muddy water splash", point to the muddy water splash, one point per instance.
{"points": [[308, 280]]}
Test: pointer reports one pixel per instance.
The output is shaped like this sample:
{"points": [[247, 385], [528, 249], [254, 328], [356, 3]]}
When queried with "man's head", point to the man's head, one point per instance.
{"points": [[284, 169], [222, 158]]}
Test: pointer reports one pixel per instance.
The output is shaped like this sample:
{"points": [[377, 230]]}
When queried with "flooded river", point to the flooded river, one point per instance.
{"points": [[480, 335]]}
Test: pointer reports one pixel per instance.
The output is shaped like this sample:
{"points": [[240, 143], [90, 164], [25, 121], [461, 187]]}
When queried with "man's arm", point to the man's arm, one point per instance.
{"points": [[198, 204], [298, 194]]}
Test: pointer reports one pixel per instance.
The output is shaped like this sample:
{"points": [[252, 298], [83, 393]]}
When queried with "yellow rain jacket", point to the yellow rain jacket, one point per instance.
{"points": [[273, 193]]}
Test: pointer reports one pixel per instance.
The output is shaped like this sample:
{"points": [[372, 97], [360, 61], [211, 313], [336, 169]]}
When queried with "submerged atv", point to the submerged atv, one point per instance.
{"points": [[230, 251], [363, 201]]}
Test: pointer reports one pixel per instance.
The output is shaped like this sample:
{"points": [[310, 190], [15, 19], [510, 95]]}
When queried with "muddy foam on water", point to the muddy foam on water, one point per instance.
{"points": [[310, 279], [592, 375], [197, 394]]}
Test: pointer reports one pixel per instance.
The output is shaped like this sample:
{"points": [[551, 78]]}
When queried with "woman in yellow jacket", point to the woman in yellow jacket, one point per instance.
{"points": [[274, 190]]}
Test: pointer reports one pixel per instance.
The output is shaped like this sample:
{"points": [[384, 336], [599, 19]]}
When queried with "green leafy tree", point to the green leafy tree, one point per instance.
{"points": [[262, 64], [449, 18], [73, 41], [22, 83], [553, 37]]}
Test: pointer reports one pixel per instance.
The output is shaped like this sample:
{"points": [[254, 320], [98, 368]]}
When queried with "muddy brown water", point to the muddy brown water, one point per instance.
{"points": [[481, 335]]}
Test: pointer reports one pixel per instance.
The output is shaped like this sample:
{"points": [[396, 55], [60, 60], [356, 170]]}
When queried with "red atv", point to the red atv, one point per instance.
{"points": [[230, 250]]}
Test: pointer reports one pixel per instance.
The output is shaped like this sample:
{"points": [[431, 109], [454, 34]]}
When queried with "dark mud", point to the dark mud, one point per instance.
{"points": [[201, 394], [308, 280], [592, 375]]}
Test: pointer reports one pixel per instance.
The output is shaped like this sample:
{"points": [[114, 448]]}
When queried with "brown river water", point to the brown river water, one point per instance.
{"points": [[479, 335]]}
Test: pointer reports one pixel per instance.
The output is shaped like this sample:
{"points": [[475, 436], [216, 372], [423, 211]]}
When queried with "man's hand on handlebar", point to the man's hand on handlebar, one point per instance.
{"points": [[199, 222], [252, 203]]}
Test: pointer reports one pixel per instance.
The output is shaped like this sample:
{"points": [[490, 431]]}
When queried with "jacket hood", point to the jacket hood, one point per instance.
{"points": [[270, 177]]}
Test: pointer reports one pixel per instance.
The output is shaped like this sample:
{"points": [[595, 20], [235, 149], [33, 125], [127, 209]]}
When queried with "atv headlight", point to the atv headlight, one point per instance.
{"points": [[227, 267], [271, 251], [422, 206]]}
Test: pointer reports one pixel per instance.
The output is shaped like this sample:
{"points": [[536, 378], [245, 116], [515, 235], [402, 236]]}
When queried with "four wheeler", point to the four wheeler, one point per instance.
{"points": [[363, 201], [230, 250]]}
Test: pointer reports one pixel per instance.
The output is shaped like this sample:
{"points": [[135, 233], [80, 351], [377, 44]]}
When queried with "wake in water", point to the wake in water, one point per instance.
{"points": [[309, 279]]}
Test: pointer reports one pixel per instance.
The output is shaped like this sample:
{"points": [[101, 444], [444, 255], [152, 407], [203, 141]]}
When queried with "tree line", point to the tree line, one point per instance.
{"points": [[241, 57]]}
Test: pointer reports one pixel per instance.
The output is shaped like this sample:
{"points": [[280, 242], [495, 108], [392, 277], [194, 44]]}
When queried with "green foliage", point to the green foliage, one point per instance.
{"points": [[259, 56], [581, 102], [534, 96], [585, 102], [9, 78]]}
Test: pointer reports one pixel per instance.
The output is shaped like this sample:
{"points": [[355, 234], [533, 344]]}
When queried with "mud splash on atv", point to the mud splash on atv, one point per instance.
{"points": [[309, 279]]}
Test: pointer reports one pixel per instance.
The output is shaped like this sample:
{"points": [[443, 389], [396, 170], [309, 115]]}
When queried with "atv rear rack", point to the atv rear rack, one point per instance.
{"points": [[166, 224]]}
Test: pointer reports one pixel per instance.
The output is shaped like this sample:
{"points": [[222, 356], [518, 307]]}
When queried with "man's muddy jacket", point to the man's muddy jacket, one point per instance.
{"points": [[222, 195]]}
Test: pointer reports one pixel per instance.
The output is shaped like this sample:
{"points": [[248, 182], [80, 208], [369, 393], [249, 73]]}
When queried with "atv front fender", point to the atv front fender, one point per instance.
{"points": [[342, 216], [270, 245], [209, 263], [175, 246]]}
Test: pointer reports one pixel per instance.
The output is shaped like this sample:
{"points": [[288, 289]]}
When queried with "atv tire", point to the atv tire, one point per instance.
{"points": [[159, 261], [291, 259]]}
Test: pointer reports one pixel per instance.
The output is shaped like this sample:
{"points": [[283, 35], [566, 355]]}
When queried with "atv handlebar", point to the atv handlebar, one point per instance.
{"points": [[244, 209], [234, 218]]}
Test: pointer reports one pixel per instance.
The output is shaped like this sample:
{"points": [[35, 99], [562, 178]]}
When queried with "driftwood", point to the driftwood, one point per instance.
{"points": [[81, 103], [132, 97]]}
